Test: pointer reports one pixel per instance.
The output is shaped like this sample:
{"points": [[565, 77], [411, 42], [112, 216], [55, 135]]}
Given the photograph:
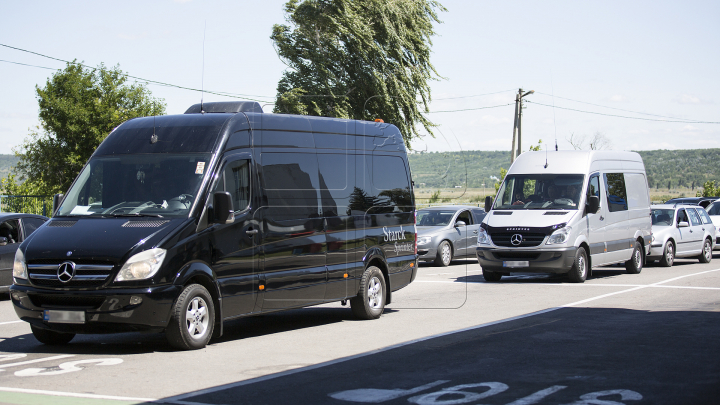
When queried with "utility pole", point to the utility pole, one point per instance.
{"points": [[517, 127]]}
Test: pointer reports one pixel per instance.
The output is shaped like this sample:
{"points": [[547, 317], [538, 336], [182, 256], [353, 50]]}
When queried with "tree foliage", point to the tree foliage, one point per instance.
{"points": [[709, 190], [597, 141], [78, 109], [358, 59]]}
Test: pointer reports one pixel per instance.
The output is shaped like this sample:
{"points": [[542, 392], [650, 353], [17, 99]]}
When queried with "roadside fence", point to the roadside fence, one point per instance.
{"points": [[27, 204]]}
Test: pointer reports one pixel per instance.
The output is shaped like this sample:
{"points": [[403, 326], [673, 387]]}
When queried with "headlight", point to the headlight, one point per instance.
{"points": [[559, 236], [424, 240], [483, 237], [142, 265], [19, 267]]}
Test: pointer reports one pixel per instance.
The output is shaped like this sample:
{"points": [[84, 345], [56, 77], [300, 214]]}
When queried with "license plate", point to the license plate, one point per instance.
{"points": [[520, 263], [53, 316]]}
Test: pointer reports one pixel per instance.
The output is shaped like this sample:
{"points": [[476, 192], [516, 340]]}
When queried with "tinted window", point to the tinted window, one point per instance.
{"points": [[9, 230], [235, 179], [714, 209], [694, 219], [291, 182], [616, 195], [465, 217], [662, 217], [430, 217], [337, 175], [391, 181], [31, 224], [682, 217]]}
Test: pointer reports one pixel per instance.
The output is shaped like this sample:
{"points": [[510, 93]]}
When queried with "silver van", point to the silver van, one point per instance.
{"points": [[567, 211]]}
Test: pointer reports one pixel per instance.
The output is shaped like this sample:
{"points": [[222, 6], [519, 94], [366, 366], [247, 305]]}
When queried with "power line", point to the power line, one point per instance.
{"points": [[613, 108], [219, 93], [472, 109], [476, 95], [623, 116], [25, 64]]}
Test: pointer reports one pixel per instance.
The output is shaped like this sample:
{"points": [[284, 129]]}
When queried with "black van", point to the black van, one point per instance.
{"points": [[181, 222]]}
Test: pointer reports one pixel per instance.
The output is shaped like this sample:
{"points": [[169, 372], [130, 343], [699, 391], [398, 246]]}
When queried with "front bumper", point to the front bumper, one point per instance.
{"points": [[557, 260], [106, 311], [427, 253]]}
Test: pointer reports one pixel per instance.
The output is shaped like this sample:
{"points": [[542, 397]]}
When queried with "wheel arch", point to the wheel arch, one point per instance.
{"points": [[380, 263], [200, 273]]}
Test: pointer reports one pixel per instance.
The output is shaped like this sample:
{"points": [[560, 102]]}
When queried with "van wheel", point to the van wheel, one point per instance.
{"points": [[706, 254], [668, 257], [579, 270], [491, 275], [193, 319], [370, 300], [50, 337], [444, 254], [635, 264]]}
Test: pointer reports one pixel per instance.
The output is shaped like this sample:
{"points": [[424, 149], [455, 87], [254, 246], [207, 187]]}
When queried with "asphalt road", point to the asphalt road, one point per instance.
{"points": [[448, 338]]}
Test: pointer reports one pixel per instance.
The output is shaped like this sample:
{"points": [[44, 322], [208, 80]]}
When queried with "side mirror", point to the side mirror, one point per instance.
{"points": [[3, 241], [593, 204], [223, 212], [460, 223], [57, 199], [488, 203], [683, 224]]}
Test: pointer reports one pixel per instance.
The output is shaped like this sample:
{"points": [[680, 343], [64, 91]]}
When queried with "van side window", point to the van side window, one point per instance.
{"points": [[235, 179], [636, 186], [291, 185], [616, 195], [594, 186], [337, 175], [390, 179]]}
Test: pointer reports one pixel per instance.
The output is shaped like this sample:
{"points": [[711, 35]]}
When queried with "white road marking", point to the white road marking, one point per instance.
{"points": [[67, 367], [22, 363], [6, 323], [74, 395], [376, 395], [538, 396]]}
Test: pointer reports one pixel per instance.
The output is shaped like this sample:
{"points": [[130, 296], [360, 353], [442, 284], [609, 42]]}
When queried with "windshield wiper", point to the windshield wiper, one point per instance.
{"points": [[135, 215]]}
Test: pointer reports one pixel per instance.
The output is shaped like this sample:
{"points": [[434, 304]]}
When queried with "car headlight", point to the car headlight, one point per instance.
{"points": [[559, 236], [19, 266], [424, 240], [483, 237], [142, 265]]}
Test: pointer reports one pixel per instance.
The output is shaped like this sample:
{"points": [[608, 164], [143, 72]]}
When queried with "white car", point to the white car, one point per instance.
{"points": [[713, 211], [680, 231]]}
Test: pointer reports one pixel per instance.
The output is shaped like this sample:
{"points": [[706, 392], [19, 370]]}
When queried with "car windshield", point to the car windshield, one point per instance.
{"points": [[434, 217], [662, 217], [540, 192], [155, 184]]}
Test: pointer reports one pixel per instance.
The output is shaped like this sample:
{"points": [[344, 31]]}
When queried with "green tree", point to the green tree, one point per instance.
{"points": [[503, 172], [537, 147], [78, 109], [358, 59], [709, 190]]}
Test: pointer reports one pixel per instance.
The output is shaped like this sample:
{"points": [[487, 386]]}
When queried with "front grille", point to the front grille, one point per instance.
{"points": [[516, 255], [86, 274], [64, 301], [528, 239]]}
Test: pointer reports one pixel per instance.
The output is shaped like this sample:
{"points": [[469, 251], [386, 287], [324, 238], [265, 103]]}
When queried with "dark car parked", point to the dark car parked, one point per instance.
{"points": [[701, 201], [14, 228]]}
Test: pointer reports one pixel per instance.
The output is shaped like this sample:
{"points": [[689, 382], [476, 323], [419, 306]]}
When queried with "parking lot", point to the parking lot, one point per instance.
{"points": [[448, 338]]}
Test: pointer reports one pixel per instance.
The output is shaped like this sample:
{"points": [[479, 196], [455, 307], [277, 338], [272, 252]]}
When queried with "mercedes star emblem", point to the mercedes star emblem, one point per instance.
{"points": [[516, 239], [66, 271]]}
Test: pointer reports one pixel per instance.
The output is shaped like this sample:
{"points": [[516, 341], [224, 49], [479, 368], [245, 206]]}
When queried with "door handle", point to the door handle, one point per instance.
{"points": [[251, 232], [602, 218], [475, 232]]}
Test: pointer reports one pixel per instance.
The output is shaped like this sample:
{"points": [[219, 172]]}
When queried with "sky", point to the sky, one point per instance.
{"points": [[655, 61]]}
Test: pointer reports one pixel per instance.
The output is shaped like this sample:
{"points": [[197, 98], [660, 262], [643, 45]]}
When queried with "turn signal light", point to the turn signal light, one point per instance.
{"points": [[262, 287], [379, 120]]}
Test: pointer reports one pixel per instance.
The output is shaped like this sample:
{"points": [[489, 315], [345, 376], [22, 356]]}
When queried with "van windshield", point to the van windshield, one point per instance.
{"points": [[540, 192], [151, 184]]}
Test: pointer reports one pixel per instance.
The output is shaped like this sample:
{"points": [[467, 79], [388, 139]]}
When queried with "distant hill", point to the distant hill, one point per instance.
{"points": [[681, 168], [6, 163]]}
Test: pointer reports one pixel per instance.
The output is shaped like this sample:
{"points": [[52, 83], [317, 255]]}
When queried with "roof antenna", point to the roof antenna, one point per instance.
{"points": [[154, 137], [552, 88], [202, 80], [546, 164]]}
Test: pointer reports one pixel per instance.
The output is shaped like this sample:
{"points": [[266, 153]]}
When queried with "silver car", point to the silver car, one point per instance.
{"points": [[681, 231], [714, 211], [448, 232]]}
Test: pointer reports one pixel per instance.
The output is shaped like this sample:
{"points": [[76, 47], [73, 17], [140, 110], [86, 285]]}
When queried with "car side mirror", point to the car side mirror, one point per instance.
{"points": [[3, 241], [593, 204], [683, 224], [57, 199], [223, 212], [460, 223], [488, 203]]}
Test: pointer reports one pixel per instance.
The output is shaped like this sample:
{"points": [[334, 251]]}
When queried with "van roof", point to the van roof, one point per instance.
{"points": [[573, 161]]}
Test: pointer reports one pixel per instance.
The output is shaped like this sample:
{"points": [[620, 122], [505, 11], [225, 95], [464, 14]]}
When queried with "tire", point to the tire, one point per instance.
{"points": [[192, 320], [50, 337], [370, 300], [668, 257], [491, 276], [444, 254], [706, 255], [579, 271], [635, 264]]}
